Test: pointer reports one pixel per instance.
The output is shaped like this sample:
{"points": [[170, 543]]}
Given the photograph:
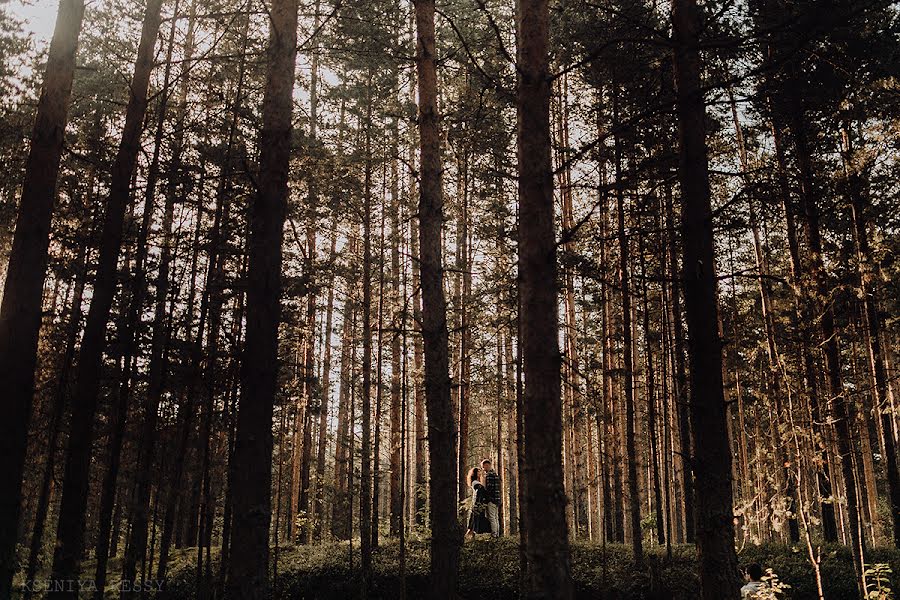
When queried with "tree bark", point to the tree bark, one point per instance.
{"points": [[365, 493], [712, 454], [548, 572], [20, 311], [248, 561], [396, 483], [680, 382], [445, 531]]}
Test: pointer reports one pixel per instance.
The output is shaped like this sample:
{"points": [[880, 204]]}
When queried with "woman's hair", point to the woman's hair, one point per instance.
{"points": [[472, 476]]}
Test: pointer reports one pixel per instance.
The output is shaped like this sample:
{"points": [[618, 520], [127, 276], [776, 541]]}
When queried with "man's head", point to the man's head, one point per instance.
{"points": [[486, 465], [754, 572]]}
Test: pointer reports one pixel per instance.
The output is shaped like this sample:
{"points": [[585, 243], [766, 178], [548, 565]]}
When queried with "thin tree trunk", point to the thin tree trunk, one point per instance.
{"points": [[822, 302], [859, 207], [379, 393], [421, 444], [775, 371], [309, 361], [634, 501], [463, 277], [319, 505], [365, 493], [512, 451], [572, 385], [341, 507], [132, 318], [396, 483], [801, 323], [651, 401], [682, 403]]}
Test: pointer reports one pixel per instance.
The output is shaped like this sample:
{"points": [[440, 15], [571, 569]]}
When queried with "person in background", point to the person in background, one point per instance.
{"points": [[492, 487], [754, 574], [478, 519]]}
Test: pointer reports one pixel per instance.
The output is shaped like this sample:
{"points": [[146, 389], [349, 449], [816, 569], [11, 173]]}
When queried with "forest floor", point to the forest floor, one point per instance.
{"points": [[490, 570]]}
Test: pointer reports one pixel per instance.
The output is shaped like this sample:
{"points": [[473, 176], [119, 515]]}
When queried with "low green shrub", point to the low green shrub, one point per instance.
{"points": [[489, 570]]}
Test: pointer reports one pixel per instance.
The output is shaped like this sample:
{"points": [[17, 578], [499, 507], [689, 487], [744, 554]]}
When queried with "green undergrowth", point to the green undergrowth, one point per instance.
{"points": [[490, 570]]}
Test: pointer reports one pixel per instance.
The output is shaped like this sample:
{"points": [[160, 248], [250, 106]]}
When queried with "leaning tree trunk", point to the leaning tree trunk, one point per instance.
{"points": [[248, 561], [20, 312], [548, 573], [445, 532], [130, 333], [712, 454], [76, 481]]}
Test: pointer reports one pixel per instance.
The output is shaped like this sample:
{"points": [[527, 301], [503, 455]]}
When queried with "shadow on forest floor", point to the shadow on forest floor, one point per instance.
{"points": [[490, 570]]}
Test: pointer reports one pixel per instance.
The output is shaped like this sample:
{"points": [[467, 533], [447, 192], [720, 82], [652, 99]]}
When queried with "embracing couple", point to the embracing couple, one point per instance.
{"points": [[484, 511]]}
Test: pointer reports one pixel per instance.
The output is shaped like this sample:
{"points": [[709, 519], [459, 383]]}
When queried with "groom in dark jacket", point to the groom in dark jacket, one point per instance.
{"points": [[492, 487]]}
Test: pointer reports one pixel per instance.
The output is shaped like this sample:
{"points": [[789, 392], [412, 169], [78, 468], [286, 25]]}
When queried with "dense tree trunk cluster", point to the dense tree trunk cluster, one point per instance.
{"points": [[281, 273]]}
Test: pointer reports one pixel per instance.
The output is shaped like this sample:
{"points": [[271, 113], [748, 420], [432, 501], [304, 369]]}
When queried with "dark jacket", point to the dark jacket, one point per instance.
{"points": [[478, 518]]}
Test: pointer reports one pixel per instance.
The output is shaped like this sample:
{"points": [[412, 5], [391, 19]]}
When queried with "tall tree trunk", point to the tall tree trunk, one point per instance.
{"points": [[20, 311], [341, 507], [132, 321], [634, 501], [859, 207], [801, 322], [319, 505], [445, 531], [421, 441], [248, 562], [546, 545], [712, 454], [512, 451], [775, 372], [379, 392], [365, 493], [823, 305], [234, 383], [76, 481], [572, 386], [397, 322], [63, 382], [309, 360], [465, 281], [680, 382], [651, 400]]}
